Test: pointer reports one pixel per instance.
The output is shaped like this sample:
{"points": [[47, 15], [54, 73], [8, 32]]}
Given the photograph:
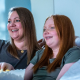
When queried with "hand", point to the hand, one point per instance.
{"points": [[6, 66], [41, 42]]}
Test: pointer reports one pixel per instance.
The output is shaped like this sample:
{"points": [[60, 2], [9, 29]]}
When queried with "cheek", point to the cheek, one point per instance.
{"points": [[54, 33], [56, 36], [21, 31], [19, 25]]}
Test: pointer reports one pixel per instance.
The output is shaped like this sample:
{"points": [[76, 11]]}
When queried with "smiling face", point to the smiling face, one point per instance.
{"points": [[50, 34], [14, 26]]}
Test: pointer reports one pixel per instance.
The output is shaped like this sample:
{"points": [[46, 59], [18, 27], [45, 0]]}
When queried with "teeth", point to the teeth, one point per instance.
{"points": [[14, 30], [48, 37]]}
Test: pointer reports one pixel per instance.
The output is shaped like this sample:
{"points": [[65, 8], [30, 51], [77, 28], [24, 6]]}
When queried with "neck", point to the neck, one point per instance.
{"points": [[55, 52], [21, 45]]}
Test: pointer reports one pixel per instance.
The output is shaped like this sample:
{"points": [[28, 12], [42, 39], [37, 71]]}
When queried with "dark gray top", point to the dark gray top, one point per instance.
{"points": [[72, 55], [5, 56]]}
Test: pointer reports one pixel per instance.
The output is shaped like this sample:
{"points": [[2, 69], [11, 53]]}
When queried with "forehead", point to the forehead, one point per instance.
{"points": [[13, 14], [49, 21]]}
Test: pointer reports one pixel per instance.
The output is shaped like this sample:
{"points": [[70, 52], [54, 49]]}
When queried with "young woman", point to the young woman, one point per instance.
{"points": [[59, 53]]}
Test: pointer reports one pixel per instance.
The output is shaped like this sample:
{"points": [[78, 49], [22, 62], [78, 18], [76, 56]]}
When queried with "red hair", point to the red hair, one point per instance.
{"points": [[66, 35]]}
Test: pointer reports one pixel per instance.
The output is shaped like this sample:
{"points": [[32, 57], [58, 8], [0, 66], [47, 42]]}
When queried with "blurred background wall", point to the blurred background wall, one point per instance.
{"points": [[41, 9]]}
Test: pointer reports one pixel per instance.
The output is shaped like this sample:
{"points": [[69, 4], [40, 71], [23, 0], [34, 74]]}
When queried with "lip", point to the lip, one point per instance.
{"points": [[14, 30], [48, 37]]}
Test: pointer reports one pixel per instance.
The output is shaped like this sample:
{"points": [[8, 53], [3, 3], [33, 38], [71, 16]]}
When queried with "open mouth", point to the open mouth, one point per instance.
{"points": [[49, 37], [14, 30]]}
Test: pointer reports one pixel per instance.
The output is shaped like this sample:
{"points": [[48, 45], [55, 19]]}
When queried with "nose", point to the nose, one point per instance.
{"points": [[46, 31], [12, 24]]}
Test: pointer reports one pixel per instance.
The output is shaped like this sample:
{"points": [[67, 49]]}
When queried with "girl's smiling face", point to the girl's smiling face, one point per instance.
{"points": [[50, 34]]}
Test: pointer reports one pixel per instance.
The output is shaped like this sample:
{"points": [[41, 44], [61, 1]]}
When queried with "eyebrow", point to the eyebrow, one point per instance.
{"points": [[16, 17], [49, 25]]}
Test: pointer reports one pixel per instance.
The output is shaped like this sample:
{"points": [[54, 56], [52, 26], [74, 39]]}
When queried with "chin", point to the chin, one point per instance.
{"points": [[49, 44], [15, 38]]}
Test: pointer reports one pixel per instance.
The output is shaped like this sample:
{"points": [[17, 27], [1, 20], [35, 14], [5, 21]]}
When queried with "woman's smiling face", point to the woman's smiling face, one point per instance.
{"points": [[14, 26]]}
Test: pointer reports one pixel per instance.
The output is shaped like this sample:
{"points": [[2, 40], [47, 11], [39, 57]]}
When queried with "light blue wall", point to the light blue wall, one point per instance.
{"points": [[41, 9], [70, 8]]}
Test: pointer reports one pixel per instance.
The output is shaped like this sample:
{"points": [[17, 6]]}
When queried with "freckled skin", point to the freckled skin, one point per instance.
{"points": [[50, 34]]}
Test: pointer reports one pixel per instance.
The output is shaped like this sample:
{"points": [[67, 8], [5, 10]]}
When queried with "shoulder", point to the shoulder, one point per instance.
{"points": [[37, 56], [4, 43], [75, 48], [39, 53], [72, 50], [72, 55]]}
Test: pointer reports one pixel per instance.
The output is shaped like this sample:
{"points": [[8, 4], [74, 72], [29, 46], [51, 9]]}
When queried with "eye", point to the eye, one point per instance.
{"points": [[44, 30], [52, 27], [9, 21], [17, 20]]}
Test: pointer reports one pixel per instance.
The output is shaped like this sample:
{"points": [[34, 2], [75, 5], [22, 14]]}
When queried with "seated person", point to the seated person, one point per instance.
{"points": [[59, 54], [20, 50]]}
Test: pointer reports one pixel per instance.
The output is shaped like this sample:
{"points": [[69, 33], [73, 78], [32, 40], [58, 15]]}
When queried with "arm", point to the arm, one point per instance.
{"points": [[64, 70], [28, 72], [71, 57]]}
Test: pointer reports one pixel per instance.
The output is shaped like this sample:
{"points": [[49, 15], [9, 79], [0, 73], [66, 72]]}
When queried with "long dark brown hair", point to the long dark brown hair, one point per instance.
{"points": [[28, 25], [66, 35]]}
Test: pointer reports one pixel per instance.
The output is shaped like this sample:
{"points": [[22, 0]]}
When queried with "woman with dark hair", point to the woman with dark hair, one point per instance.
{"points": [[59, 53], [23, 45]]}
